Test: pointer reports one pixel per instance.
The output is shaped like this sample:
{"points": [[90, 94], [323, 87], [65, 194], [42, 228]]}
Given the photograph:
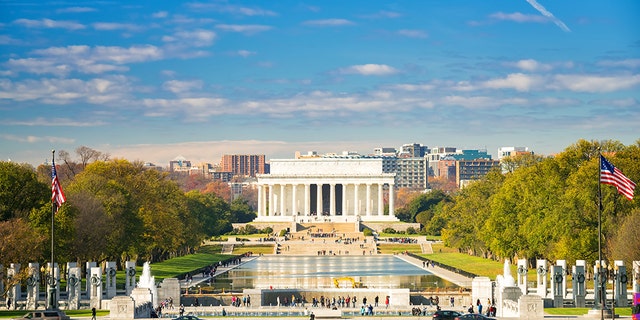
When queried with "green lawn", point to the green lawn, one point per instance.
{"points": [[254, 248], [72, 313], [181, 265], [391, 248], [582, 311]]}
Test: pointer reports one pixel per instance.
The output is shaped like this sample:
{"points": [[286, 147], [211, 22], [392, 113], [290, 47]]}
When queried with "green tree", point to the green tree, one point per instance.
{"points": [[20, 190]]}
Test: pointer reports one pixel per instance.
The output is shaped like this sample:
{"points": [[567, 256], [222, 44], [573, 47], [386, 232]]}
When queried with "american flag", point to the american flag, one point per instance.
{"points": [[613, 176], [57, 195]]}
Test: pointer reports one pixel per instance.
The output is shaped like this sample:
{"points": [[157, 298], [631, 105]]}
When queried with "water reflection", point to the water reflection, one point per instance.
{"points": [[308, 272]]}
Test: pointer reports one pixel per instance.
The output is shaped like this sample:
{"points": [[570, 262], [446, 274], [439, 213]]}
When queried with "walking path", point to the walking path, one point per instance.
{"points": [[199, 278], [458, 279]]}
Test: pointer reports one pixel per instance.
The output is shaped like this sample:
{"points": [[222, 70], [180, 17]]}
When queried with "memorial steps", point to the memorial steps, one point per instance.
{"points": [[326, 246]]}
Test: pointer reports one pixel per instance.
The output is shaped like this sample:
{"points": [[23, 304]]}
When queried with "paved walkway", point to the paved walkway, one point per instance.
{"points": [[199, 278], [458, 279]]}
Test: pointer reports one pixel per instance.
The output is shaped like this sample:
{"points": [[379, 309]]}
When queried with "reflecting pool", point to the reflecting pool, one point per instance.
{"points": [[308, 272]]}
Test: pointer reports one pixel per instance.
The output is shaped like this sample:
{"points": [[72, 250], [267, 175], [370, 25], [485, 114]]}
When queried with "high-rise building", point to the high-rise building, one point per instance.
{"points": [[243, 164], [512, 151], [470, 170], [179, 164]]}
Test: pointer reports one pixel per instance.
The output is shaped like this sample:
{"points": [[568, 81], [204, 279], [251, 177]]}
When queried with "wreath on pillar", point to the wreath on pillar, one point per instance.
{"points": [[95, 280], [542, 271], [580, 278], [557, 278], [51, 281], [73, 281], [112, 272], [623, 278], [32, 280], [132, 272], [522, 270]]}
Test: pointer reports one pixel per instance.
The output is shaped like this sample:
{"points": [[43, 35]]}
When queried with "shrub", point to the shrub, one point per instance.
{"points": [[283, 232], [367, 232], [389, 230], [267, 230], [411, 230]]}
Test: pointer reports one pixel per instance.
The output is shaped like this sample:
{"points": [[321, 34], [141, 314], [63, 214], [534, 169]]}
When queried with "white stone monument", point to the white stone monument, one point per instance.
{"points": [[130, 279], [89, 265], [68, 273], [95, 296], [579, 286], [556, 286], [74, 288], [620, 284], [148, 281], [636, 277], [15, 291], [33, 286], [541, 271], [563, 264], [522, 275], [53, 285], [507, 293], [110, 278]]}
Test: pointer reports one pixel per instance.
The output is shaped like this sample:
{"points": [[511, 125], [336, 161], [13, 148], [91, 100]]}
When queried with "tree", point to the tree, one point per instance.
{"points": [[221, 189], [19, 243], [20, 190]]}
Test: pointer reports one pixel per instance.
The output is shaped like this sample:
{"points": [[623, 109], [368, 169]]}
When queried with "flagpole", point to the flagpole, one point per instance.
{"points": [[52, 293], [600, 236]]}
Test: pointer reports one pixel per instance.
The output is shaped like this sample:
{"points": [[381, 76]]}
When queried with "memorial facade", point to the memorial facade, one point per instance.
{"points": [[325, 189]]}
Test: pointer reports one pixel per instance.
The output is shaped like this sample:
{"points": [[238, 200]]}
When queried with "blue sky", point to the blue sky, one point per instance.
{"points": [[151, 80]]}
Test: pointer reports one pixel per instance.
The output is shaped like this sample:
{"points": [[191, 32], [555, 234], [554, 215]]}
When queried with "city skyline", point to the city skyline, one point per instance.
{"points": [[151, 81]]}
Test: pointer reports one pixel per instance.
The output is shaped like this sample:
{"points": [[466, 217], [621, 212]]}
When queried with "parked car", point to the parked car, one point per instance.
{"points": [[44, 315], [473, 316], [188, 317], [446, 315]]}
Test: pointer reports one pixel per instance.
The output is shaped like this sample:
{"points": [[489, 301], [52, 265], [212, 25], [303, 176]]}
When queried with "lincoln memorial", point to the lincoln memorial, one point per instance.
{"points": [[325, 189]]}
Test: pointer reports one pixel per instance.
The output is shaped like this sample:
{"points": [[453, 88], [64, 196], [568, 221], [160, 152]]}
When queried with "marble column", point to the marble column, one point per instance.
{"points": [[282, 205], [73, 288], [33, 286], [294, 200], [380, 200], [356, 200], [260, 201], [332, 199], [271, 201], [130, 280], [307, 199], [368, 198], [391, 200], [344, 200]]}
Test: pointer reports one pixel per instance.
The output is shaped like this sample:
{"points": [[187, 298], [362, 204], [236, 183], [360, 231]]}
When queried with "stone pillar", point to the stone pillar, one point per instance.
{"points": [[307, 199], [598, 279], [53, 285], [636, 276], [541, 281], [356, 200], [521, 275], [15, 292], [95, 283], [73, 288], [122, 307], [344, 200], [368, 197], [531, 307], [110, 283], [271, 201], [391, 200], [294, 200], [380, 200], [620, 283], [260, 201], [556, 284], [319, 200], [87, 273], [579, 286], [33, 286], [130, 280], [563, 264], [69, 266], [332, 199], [282, 204]]}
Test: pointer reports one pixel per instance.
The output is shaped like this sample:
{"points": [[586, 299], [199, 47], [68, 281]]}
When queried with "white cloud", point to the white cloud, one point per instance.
{"points": [[160, 14], [518, 17], [369, 70], [517, 81], [626, 63], [36, 139], [64, 91], [532, 65], [328, 23], [549, 15], [594, 83], [76, 10], [49, 24], [195, 38], [246, 28], [245, 53], [233, 9], [53, 122], [110, 26], [413, 33], [178, 87]]}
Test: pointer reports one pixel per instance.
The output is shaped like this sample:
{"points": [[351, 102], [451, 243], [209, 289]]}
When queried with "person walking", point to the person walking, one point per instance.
{"points": [[93, 313]]}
